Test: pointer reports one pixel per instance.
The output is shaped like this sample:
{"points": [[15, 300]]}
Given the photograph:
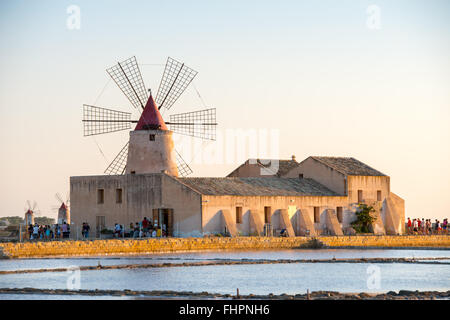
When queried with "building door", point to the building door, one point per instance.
{"points": [[163, 218], [267, 214], [100, 224], [167, 216]]}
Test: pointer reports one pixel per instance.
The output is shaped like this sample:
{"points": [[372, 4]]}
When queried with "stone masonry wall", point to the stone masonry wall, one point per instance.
{"points": [[434, 241], [130, 246]]}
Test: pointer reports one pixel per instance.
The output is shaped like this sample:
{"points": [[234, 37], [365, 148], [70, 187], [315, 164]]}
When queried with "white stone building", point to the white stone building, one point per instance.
{"points": [[316, 196]]}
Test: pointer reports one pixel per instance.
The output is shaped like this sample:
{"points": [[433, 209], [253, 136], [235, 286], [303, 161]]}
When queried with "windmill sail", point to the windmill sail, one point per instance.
{"points": [[127, 76], [176, 78], [183, 169], [98, 120], [117, 166], [58, 197], [199, 124]]}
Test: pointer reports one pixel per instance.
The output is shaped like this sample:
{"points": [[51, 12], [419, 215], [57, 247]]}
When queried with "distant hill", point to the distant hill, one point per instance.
{"points": [[12, 220], [44, 220], [18, 220]]}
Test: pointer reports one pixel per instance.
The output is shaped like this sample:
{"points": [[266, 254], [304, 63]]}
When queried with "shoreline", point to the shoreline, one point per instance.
{"points": [[168, 294]]}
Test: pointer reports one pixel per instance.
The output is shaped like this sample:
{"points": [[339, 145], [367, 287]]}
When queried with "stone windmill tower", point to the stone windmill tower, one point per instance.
{"points": [[63, 210], [29, 217], [30, 212], [150, 148], [152, 141]]}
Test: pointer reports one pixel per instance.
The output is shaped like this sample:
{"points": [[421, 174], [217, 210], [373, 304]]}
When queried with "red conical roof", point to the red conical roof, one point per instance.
{"points": [[150, 117]]}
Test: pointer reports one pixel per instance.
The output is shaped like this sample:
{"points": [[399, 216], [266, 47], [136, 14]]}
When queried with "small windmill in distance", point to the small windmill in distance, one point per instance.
{"points": [[63, 209], [138, 156], [30, 212]]}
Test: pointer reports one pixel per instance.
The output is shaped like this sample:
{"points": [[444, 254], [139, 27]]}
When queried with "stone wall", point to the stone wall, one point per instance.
{"points": [[142, 193], [387, 241], [130, 246], [114, 247]]}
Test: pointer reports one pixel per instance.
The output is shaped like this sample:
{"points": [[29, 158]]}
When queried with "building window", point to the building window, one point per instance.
{"points": [[133, 172], [152, 137], [300, 176], [118, 195], [316, 215], [238, 214], [100, 196], [267, 214], [360, 196], [378, 195], [340, 215]]}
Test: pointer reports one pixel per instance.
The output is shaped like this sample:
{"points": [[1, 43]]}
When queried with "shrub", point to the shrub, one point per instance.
{"points": [[106, 231], [364, 218]]}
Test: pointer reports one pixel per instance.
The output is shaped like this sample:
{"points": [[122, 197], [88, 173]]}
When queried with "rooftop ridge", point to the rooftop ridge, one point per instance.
{"points": [[358, 166], [257, 186]]}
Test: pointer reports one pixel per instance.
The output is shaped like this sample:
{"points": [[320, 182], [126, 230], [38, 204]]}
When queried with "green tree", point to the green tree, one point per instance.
{"points": [[12, 220], [364, 218], [44, 220]]}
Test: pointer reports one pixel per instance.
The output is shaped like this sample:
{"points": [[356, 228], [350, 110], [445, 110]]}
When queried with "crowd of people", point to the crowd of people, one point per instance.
{"points": [[426, 227], [142, 229], [146, 228], [48, 232]]}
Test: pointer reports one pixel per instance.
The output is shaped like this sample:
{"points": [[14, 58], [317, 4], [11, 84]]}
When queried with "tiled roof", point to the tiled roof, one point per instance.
{"points": [[270, 186], [283, 167], [348, 166]]}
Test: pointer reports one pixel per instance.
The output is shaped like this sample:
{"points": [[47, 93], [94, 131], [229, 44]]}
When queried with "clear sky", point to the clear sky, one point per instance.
{"points": [[328, 77]]}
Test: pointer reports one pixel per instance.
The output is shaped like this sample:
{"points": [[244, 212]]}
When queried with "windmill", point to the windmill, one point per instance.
{"points": [[30, 212], [63, 209], [137, 156]]}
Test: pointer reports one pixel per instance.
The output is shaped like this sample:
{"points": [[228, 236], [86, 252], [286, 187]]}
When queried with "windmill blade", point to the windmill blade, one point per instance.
{"points": [[34, 205], [200, 124], [127, 76], [29, 204], [119, 163], [58, 197], [98, 120], [183, 169], [176, 78]]}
